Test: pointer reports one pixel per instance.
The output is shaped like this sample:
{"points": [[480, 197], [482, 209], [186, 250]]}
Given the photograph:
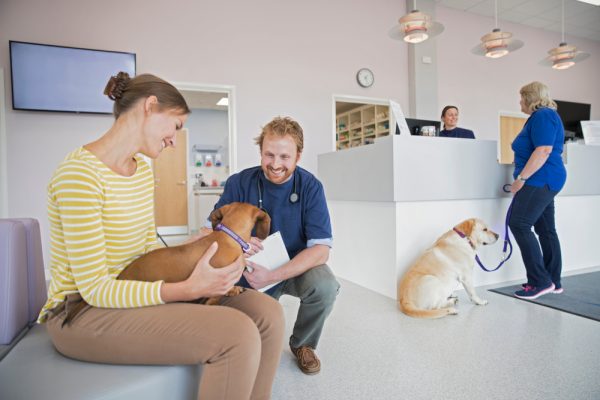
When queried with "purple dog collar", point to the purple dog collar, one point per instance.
{"points": [[245, 246], [462, 235]]}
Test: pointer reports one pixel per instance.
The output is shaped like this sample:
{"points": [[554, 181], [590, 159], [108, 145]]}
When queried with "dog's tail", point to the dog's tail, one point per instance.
{"points": [[408, 308]]}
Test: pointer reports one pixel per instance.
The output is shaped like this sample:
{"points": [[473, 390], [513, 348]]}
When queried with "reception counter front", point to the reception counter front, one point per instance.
{"points": [[391, 200]]}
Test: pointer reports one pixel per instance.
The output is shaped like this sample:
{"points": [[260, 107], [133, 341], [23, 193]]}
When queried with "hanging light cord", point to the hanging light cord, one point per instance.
{"points": [[496, 12], [563, 21]]}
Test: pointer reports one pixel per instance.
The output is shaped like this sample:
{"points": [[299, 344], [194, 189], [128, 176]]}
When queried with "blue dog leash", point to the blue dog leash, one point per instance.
{"points": [[507, 243]]}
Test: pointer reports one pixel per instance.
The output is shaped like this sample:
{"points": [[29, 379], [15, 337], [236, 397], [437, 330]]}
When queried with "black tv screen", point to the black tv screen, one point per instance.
{"points": [[68, 79], [572, 114]]}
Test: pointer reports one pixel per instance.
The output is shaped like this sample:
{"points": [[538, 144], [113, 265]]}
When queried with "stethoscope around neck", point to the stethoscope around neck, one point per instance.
{"points": [[294, 196]]}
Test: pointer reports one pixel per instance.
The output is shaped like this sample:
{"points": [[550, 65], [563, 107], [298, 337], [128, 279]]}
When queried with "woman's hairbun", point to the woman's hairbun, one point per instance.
{"points": [[116, 85]]}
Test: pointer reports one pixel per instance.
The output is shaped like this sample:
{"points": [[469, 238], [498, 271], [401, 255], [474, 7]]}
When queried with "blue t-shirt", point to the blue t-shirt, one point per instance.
{"points": [[458, 133], [543, 128], [302, 224]]}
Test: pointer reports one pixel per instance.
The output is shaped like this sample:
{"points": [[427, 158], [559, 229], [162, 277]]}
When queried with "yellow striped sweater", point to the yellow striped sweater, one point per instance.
{"points": [[100, 222]]}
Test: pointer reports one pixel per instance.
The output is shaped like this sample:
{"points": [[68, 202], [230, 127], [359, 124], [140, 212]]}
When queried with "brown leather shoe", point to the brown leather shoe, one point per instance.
{"points": [[308, 362]]}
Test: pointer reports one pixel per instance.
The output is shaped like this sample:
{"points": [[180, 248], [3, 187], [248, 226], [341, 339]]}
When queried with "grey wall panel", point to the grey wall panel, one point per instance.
{"points": [[402, 168]]}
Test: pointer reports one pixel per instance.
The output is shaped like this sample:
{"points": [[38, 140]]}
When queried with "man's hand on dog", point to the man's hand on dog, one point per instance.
{"points": [[255, 247], [206, 281], [257, 276]]}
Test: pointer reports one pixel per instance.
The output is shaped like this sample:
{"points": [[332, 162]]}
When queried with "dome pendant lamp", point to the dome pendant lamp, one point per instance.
{"points": [[564, 56], [416, 27], [496, 44]]}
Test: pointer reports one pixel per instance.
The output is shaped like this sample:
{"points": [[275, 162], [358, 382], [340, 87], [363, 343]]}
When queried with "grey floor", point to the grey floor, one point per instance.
{"points": [[509, 349]]}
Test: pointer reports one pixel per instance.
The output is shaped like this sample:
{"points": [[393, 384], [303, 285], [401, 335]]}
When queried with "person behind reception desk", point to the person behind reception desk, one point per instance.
{"points": [[450, 120], [539, 175]]}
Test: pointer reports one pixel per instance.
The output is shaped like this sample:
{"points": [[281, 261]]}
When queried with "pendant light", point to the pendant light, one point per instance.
{"points": [[564, 56], [497, 43], [415, 27]]}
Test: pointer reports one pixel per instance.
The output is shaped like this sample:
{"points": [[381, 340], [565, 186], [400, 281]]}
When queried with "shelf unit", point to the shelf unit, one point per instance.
{"points": [[361, 125]]}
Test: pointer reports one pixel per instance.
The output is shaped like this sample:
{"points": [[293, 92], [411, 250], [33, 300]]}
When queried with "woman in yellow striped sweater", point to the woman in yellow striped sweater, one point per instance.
{"points": [[101, 211]]}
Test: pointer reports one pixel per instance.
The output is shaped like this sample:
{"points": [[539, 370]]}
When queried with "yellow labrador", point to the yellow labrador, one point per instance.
{"points": [[426, 290]]}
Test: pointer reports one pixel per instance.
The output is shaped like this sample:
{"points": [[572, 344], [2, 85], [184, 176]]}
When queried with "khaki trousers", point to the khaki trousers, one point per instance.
{"points": [[239, 341]]}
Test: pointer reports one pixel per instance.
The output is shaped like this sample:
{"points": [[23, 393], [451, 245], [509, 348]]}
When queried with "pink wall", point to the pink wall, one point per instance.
{"points": [[482, 87], [283, 57]]}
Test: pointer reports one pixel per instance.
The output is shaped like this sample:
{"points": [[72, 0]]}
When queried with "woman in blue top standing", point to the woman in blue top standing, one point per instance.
{"points": [[539, 175], [450, 120]]}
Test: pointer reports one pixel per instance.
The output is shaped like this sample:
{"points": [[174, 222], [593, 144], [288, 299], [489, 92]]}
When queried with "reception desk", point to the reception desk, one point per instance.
{"points": [[391, 200]]}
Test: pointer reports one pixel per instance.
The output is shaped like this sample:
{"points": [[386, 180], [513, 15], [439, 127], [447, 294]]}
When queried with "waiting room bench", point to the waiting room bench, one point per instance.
{"points": [[30, 367]]}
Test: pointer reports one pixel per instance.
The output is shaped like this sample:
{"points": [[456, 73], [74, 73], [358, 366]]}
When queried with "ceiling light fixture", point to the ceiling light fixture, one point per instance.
{"points": [[496, 44], [223, 102], [416, 27], [564, 56]]}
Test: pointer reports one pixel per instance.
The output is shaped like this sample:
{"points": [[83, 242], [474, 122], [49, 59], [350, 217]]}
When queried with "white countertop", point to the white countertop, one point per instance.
{"points": [[209, 190]]}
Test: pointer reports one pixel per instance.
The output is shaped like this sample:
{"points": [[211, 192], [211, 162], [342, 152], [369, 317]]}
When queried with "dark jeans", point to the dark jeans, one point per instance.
{"points": [[317, 290], [534, 206]]}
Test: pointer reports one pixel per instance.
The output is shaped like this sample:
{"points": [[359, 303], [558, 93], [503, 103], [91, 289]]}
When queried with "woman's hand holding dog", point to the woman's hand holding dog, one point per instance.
{"points": [[205, 281]]}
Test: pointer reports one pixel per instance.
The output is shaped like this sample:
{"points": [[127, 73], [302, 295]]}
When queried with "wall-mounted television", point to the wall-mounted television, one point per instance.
{"points": [[67, 79], [572, 114]]}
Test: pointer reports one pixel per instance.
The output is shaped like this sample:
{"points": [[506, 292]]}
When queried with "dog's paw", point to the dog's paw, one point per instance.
{"points": [[211, 301], [452, 311], [480, 302], [234, 291]]}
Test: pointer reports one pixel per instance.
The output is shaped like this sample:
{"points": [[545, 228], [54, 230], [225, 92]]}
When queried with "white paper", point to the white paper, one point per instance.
{"points": [[399, 117], [273, 255], [591, 132]]}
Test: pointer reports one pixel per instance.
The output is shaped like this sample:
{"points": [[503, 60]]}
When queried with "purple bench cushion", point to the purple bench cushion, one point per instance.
{"points": [[14, 301], [36, 279]]}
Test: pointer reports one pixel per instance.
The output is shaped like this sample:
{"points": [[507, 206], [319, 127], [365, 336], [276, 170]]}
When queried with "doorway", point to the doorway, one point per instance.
{"points": [[209, 156], [510, 126]]}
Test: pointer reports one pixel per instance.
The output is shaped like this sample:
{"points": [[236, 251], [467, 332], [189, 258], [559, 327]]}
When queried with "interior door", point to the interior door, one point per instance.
{"points": [[510, 127], [171, 189]]}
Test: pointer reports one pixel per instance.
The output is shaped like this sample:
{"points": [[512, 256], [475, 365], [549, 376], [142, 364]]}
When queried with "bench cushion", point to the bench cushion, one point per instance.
{"points": [[37, 293], [14, 301], [33, 369]]}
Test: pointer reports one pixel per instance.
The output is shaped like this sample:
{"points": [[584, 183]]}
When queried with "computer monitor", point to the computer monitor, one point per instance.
{"points": [[415, 125], [572, 114]]}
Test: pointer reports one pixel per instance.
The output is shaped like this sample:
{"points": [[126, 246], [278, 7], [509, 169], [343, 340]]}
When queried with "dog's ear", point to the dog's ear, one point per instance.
{"points": [[466, 227], [217, 215], [263, 223]]}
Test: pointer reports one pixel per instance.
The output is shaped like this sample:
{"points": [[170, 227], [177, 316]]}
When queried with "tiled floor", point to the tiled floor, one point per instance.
{"points": [[509, 349]]}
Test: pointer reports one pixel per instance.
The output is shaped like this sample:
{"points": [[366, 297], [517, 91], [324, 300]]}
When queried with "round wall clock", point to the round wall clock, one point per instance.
{"points": [[365, 77]]}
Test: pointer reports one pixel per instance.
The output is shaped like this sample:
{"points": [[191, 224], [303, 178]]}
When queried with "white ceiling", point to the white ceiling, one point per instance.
{"points": [[203, 100], [581, 19]]}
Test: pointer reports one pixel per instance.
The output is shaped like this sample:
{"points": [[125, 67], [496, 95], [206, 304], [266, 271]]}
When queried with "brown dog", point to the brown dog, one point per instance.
{"points": [[175, 264], [426, 290]]}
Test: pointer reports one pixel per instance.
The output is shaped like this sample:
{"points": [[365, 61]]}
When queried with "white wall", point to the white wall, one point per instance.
{"points": [[283, 57], [481, 87]]}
